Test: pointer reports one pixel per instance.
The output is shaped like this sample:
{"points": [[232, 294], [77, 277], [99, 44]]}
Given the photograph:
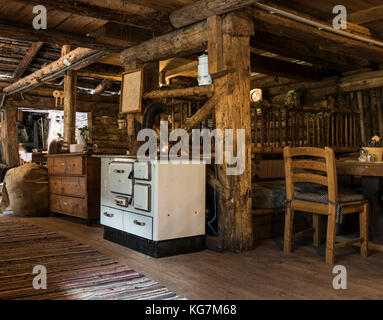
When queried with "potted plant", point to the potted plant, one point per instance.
{"points": [[85, 137], [375, 149], [293, 99], [121, 121]]}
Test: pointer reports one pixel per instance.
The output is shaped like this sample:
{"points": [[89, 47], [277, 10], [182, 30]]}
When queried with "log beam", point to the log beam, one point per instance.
{"points": [[200, 10], [312, 53], [122, 36], [22, 32], [178, 93], [26, 61], [277, 67], [281, 26], [367, 15], [104, 85], [48, 103], [185, 68], [177, 43], [203, 112], [70, 59], [155, 20]]}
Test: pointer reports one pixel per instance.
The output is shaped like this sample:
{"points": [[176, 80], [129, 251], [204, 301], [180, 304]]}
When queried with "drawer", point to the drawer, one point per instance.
{"points": [[75, 166], [138, 225], [56, 166], [60, 166], [112, 218], [71, 206], [68, 186]]}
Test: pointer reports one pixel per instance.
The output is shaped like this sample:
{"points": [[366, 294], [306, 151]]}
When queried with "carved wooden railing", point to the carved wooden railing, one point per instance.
{"points": [[276, 127]]}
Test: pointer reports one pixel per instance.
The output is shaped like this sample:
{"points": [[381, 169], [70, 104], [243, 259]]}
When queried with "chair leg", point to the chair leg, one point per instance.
{"points": [[363, 224], [330, 239], [289, 219], [317, 227]]}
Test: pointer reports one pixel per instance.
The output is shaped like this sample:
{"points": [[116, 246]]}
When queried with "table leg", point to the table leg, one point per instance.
{"points": [[373, 191]]}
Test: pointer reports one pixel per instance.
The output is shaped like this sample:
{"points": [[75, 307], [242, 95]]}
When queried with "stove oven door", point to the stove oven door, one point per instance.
{"points": [[116, 181], [120, 178]]}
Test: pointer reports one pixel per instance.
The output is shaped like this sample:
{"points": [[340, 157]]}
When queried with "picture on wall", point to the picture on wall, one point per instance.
{"points": [[131, 91]]}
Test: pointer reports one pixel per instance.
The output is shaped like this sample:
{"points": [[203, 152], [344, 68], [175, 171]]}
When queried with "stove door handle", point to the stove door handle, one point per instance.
{"points": [[141, 224], [109, 215]]}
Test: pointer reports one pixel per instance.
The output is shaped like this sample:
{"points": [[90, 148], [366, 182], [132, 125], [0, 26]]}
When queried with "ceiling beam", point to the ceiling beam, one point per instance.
{"points": [[291, 48], [182, 69], [53, 69], [102, 71], [200, 10], [367, 15], [122, 36], [281, 26], [157, 20], [48, 103], [32, 52], [103, 86], [276, 67], [17, 31], [179, 42]]}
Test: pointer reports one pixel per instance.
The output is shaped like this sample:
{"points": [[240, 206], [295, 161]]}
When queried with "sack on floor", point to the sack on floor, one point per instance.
{"points": [[25, 191]]}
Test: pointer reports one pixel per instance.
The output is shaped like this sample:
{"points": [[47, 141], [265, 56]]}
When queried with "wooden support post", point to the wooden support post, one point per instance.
{"points": [[70, 94], [361, 110], [10, 141], [150, 83], [215, 43], [233, 112]]}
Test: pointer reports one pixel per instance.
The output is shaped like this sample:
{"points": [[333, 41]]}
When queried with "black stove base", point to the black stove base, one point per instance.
{"points": [[156, 249]]}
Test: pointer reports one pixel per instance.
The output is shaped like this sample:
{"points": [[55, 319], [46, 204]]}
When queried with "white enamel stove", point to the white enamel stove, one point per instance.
{"points": [[152, 200]]}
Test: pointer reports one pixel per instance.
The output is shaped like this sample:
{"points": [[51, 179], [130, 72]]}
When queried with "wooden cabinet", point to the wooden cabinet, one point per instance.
{"points": [[74, 185]]}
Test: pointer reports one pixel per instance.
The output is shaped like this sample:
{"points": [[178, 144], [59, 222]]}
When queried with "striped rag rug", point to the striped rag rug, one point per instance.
{"points": [[74, 270]]}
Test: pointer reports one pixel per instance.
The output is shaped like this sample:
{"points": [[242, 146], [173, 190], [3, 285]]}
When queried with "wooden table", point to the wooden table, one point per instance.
{"points": [[372, 184]]}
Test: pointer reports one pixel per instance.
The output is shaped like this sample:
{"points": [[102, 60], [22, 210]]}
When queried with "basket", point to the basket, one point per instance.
{"points": [[378, 152]]}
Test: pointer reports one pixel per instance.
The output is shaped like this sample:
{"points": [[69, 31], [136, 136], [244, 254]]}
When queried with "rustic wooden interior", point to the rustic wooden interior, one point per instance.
{"points": [[89, 44]]}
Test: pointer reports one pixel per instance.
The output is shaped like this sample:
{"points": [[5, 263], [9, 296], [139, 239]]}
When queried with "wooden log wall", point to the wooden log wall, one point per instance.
{"points": [[106, 135]]}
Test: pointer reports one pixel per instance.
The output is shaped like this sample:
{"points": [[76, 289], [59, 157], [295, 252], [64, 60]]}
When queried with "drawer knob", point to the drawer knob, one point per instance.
{"points": [[118, 171], [65, 203], [141, 224], [109, 215], [63, 163]]}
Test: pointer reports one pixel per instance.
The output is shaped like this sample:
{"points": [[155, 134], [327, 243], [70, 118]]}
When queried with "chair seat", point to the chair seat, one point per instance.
{"points": [[319, 195], [269, 194]]}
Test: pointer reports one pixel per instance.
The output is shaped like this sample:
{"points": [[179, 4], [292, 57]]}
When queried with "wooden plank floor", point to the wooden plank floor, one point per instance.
{"points": [[264, 273]]}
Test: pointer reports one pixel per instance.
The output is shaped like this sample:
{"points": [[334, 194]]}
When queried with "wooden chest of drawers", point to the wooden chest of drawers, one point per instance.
{"points": [[74, 185]]}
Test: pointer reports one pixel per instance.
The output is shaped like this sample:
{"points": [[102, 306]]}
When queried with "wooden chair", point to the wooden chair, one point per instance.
{"points": [[315, 167]]}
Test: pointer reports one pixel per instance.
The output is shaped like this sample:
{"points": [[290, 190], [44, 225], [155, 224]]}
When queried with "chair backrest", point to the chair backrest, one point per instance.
{"points": [[312, 165]]}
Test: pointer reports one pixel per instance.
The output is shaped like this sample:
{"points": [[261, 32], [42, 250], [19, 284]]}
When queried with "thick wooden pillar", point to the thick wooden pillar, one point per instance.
{"points": [[233, 112], [10, 143], [151, 82], [70, 94]]}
